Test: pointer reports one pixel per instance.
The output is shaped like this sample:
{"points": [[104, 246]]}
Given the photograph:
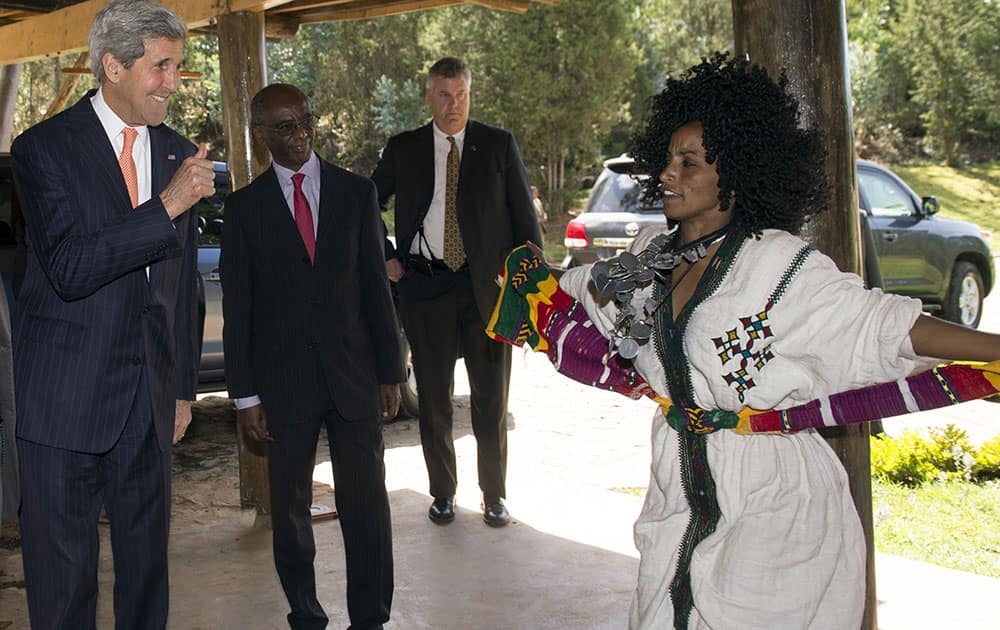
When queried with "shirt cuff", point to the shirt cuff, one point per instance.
{"points": [[247, 402]]}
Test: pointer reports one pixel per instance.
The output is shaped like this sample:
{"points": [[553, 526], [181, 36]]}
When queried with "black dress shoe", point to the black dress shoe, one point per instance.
{"points": [[442, 511], [495, 513]]}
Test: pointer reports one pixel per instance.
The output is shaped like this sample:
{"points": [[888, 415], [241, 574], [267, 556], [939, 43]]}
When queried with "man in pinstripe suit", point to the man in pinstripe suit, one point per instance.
{"points": [[105, 359]]}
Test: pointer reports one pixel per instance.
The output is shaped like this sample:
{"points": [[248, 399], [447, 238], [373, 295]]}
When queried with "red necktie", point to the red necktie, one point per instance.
{"points": [[127, 164], [304, 216]]}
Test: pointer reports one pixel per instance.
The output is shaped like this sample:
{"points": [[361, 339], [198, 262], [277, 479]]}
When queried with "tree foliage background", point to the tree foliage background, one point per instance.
{"points": [[571, 81], [926, 79]]}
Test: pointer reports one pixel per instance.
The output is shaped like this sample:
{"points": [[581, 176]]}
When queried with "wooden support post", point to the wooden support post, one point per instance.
{"points": [[243, 72], [10, 77], [808, 39]]}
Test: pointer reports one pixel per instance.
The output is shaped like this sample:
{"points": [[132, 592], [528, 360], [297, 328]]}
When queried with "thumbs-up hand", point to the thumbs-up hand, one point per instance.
{"points": [[194, 180]]}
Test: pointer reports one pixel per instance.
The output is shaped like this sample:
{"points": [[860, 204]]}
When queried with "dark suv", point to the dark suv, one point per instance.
{"points": [[947, 264]]}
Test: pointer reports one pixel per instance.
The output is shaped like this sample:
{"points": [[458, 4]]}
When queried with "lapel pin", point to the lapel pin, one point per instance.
{"points": [[171, 156]]}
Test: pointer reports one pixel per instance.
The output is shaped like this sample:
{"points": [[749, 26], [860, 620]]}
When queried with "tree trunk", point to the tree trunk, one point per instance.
{"points": [[550, 175], [10, 78], [562, 169], [243, 70], [808, 39]]}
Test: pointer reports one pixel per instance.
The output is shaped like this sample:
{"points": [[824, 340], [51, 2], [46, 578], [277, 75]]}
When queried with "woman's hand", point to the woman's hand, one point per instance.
{"points": [[557, 272]]}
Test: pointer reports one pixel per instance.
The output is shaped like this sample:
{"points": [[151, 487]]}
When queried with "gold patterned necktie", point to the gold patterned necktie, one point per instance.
{"points": [[127, 164], [454, 249]]}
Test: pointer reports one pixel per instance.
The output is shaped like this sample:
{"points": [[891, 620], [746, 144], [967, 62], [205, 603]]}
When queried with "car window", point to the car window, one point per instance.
{"points": [[618, 192], [210, 212], [885, 197]]}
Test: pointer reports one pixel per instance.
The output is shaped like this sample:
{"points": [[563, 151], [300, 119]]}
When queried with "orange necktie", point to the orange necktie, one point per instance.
{"points": [[127, 164]]}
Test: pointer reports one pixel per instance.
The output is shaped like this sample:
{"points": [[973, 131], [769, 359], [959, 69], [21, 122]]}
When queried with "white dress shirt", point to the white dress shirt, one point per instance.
{"points": [[114, 126], [434, 221], [310, 188]]}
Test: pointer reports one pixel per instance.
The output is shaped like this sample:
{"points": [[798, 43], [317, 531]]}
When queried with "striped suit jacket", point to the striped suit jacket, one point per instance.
{"points": [[88, 322]]}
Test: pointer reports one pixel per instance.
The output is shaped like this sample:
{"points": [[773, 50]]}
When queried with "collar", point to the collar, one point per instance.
{"points": [[311, 169], [112, 122], [440, 135]]}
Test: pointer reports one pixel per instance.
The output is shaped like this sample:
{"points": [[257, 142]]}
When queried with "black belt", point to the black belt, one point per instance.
{"points": [[429, 266]]}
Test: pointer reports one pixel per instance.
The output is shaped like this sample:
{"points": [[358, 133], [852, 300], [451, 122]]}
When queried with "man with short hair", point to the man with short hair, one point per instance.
{"points": [[311, 340], [462, 204], [105, 331]]}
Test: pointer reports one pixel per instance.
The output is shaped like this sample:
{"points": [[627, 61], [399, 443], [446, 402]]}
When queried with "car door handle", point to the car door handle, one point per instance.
{"points": [[890, 236], [213, 275]]}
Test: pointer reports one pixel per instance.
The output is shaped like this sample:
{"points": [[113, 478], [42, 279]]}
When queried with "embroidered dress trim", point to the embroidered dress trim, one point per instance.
{"points": [[696, 476]]}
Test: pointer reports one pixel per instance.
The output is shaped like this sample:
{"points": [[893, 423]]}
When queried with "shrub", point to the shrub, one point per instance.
{"points": [[951, 451], [987, 461], [907, 460]]}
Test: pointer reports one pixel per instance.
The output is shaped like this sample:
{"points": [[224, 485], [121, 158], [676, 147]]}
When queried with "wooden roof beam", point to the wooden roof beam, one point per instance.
{"points": [[370, 9], [515, 6], [66, 30], [312, 11]]}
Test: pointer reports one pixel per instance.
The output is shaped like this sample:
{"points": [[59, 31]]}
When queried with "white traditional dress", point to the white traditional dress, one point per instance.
{"points": [[773, 324]]}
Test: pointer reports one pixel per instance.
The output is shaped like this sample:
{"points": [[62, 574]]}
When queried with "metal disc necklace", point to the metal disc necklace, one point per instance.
{"points": [[617, 279]]}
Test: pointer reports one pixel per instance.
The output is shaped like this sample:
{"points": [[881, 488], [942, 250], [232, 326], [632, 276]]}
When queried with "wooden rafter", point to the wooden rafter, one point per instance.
{"points": [[66, 30], [361, 10], [27, 36], [516, 6]]}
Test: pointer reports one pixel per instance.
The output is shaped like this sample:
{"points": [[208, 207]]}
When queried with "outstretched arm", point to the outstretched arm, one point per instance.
{"points": [[933, 337]]}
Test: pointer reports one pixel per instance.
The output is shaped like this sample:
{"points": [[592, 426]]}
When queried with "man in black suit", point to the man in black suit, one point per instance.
{"points": [[105, 338], [311, 340], [462, 203]]}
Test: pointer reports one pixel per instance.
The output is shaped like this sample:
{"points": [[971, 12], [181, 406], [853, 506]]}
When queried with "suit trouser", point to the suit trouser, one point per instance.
{"points": [[437, 327], [62, 493], [356, 453]]}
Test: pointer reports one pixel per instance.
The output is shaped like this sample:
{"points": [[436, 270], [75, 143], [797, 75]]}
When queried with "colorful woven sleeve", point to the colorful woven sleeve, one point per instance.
{"points": [[939, 387], [532, 309]]}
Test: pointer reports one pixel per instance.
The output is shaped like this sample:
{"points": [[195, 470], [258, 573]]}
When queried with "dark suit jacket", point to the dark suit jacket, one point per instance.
{"points": [[283, 315], [495, 213], [87, 321], [9, 488]]}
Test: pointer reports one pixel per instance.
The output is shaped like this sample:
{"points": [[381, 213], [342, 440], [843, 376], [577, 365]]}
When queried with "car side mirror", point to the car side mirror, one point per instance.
{"points": [[930, 205]]}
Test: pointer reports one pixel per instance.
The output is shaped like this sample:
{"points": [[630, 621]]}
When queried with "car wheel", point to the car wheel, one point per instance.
{"points": [[964, 302], [409, 405]]}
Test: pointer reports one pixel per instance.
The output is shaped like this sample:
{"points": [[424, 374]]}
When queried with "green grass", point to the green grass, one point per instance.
{"points": [[632, 491], [971, 193], [951, 524]]}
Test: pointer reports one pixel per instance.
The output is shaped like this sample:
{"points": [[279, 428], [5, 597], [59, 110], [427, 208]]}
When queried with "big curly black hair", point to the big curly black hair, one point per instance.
{"points": [[772, 167]]}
